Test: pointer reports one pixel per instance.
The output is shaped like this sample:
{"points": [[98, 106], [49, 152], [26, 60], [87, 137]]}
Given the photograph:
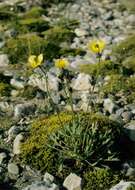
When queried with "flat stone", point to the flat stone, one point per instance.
{"points": [[72, 182]]}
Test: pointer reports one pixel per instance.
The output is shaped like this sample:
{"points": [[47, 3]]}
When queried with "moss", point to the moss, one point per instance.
{"points": [[115, 84], [34, 12], [129, 63], [34, 150], [4, 89], [125, 49], [100, 69], [34, 24], [100, 179], [131, 188], [69, 147], [59, 34], [128, 4], [24, 45]]}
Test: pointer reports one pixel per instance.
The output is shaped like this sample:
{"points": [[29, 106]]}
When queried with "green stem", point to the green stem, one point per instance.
{"points": [[49, 95]]}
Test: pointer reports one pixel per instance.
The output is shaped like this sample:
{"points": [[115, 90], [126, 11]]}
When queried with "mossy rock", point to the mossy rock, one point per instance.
{"points": [[100, 179], [59, 34], [34, 24]]}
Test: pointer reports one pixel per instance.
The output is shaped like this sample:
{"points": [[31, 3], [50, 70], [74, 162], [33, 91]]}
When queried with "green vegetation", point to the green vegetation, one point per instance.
{"points": [[125, 49], [35, 150], [128, 4], [4, 89], [100, 179], [88, 141]]}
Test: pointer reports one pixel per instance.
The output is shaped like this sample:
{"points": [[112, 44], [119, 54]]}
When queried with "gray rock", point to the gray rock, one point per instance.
{"points": [[4, 61], [48, 178], [41, 186], [82, 82], [17, 83], [2, 157], [12, 132], [131, 19], [72, 182], [17, 144], [13, 169], [40, 82], [109, 105], [129, 169], [80, 32], [25, 109], [130, 130], [123, 185], [127, 116]]}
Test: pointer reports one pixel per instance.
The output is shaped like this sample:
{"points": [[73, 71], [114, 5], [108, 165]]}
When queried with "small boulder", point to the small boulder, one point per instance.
{"points": [[17, 144], [72, 182], [24, 109], [124, 185]]}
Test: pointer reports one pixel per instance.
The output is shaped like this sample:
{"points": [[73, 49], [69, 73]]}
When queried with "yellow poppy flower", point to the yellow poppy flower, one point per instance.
{"points": [[61, 63], [96, 46], [35, 61]]}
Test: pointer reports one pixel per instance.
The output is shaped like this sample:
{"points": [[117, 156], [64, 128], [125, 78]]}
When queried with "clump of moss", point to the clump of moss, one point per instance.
{"points": [[115, 84], [100, 69], [100, 179], [74, 145], [128, 4], [5, 89], [34, 12], [35, 150], [125, 49], [59, 34], [34, 24], [27, 44]]}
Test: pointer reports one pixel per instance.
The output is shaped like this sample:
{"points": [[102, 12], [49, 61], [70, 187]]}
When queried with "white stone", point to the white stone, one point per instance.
{"points": [[12, 132], [72, 182], [40, 82], [41, 186], [80, 32], [17, 144], [109, 105], [4, 61], [2, 157], [19, 84], [123, 185], [82, 82], [13, 169], [48, 177]]}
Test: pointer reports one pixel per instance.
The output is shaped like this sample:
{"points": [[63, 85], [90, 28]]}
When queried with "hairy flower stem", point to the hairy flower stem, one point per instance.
{"points": [[49, 95]]}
